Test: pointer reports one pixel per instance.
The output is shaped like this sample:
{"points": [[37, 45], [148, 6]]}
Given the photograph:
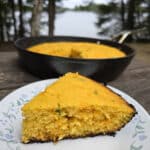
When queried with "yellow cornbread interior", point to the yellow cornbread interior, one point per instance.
{"points": [[77, 50], [73, 106]]}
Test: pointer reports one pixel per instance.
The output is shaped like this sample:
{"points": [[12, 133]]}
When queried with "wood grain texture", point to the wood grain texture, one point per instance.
{"points": [[135, 80]]}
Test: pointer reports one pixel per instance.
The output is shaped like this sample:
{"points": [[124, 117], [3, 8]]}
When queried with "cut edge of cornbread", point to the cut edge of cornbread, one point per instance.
{"points": [[66, 122]]}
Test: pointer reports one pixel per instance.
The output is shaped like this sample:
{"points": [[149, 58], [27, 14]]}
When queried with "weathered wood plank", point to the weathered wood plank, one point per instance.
{"points": [[13, 79], [7, 46], [3, 93], [11, 75], [139, 89]]}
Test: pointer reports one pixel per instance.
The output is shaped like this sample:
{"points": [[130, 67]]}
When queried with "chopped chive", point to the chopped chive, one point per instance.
{"points": [[95, 92], [58, 109]]}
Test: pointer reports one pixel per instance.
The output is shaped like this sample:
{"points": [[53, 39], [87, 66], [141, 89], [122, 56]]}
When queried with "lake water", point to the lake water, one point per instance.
{"points": [[73, 23], [77, 24]]}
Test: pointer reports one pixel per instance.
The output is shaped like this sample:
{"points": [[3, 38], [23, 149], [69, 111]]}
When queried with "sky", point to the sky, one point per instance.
{"points": [[73, 3]]}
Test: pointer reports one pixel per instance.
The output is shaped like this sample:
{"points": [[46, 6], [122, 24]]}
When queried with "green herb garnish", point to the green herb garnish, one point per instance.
{"points": [[58, 109], [95, 92]]}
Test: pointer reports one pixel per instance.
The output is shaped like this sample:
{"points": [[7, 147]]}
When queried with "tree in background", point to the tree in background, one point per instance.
{"points": [[52, 14], [148, 17], [5, 21], [130, 15], [108, 13], [122, 13], [51, 20], [21, 23], [1, 21], [36, 13], [12, 3], [36, 16], [138, 12], [113, 17]]}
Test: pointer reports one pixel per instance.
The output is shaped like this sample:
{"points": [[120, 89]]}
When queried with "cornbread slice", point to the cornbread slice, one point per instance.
{"points": [[74, 106], [77, 50]]}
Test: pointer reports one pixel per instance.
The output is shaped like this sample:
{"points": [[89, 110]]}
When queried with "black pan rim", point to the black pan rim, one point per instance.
{"points": [[132, 54]]}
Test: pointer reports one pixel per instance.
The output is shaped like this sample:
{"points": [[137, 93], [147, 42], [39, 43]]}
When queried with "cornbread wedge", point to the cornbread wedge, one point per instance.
{"points": [[74, 106]]}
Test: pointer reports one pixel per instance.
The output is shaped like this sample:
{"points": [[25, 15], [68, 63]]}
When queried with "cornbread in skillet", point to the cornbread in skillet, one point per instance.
{"points": [[77, 50], [74, 106]]}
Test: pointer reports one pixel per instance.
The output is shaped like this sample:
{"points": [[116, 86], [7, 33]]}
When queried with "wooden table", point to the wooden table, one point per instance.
{"points": [[135, 80]]}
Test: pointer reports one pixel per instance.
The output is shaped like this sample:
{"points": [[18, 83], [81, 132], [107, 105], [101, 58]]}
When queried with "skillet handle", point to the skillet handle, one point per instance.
{"points": [[123, 35]]}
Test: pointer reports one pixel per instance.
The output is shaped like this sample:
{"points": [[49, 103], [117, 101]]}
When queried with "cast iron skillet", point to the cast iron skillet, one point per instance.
{"points": [[45, 66]]}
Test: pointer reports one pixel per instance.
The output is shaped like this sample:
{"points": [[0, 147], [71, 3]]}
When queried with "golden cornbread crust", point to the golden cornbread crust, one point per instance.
{"points": [[85, 50], [60, 113]]}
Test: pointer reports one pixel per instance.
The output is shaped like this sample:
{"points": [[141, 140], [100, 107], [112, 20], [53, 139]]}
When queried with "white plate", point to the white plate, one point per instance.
{"points": [[134, 136]]}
